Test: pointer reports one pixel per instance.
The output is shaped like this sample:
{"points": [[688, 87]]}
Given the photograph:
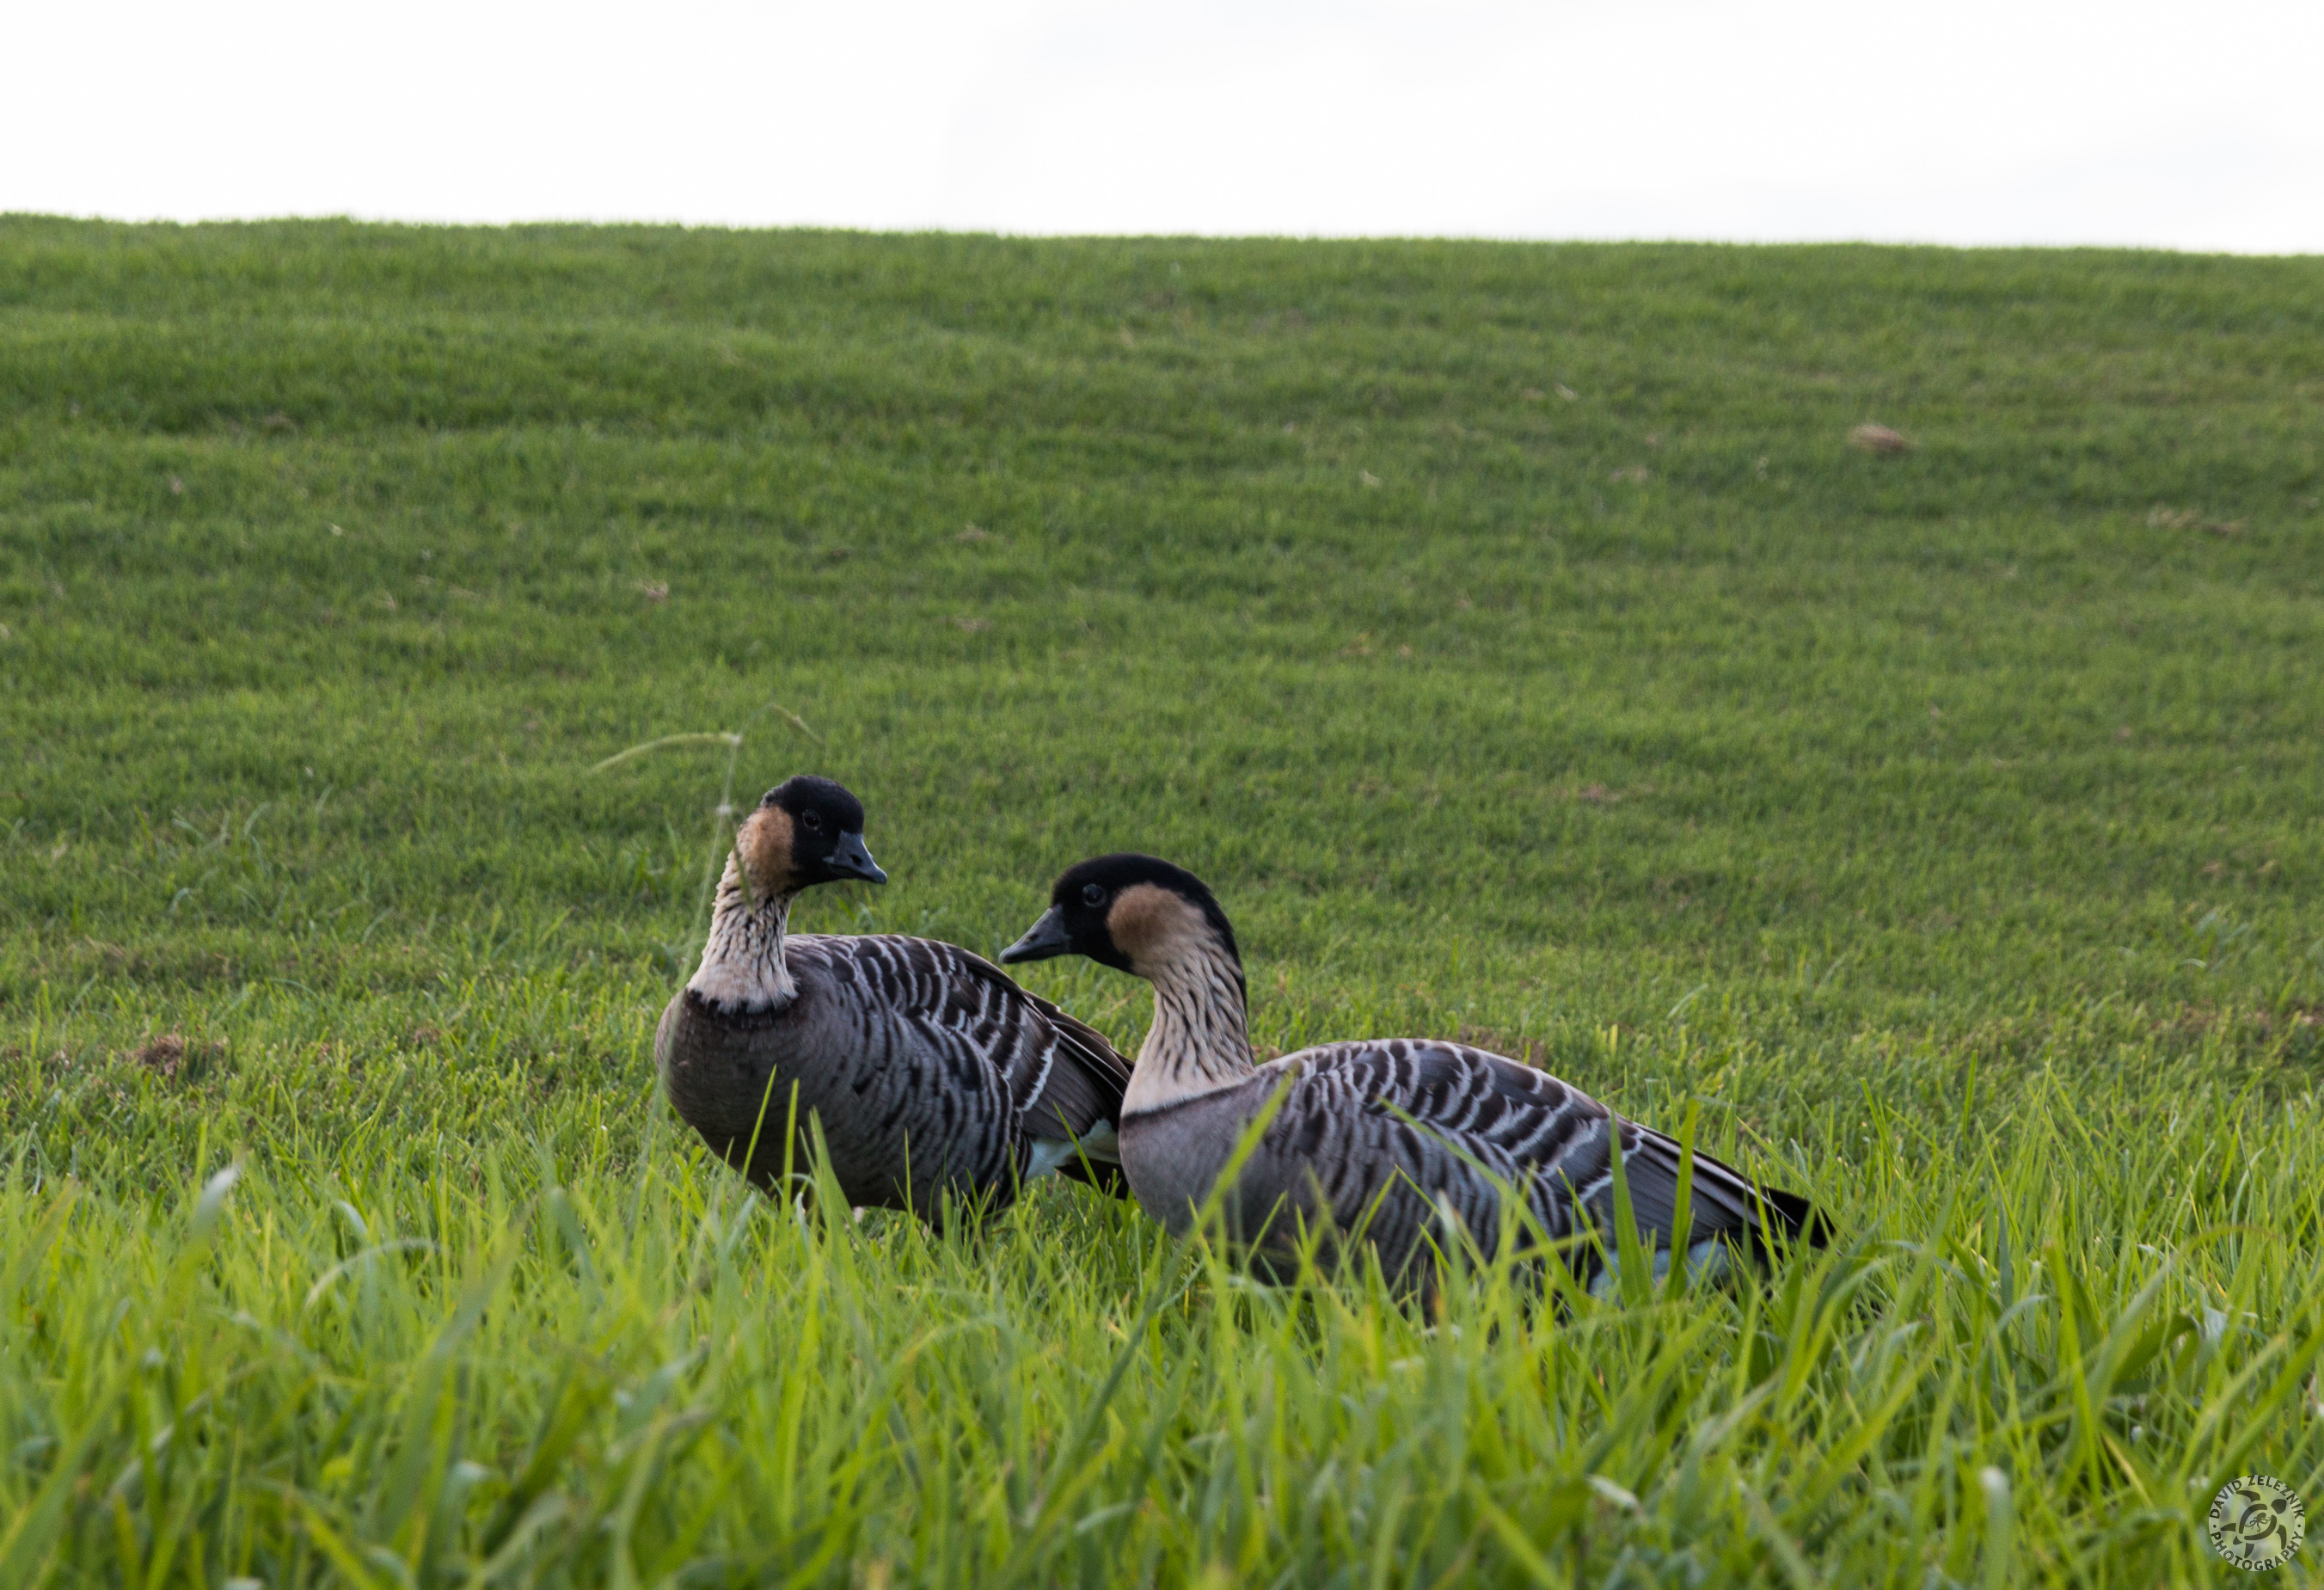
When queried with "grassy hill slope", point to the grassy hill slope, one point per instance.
{"points": [[1510, 635]]}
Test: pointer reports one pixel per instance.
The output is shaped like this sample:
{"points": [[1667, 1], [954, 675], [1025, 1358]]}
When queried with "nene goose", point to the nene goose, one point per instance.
{"points": [[1384, 1139], [934, 1076]]}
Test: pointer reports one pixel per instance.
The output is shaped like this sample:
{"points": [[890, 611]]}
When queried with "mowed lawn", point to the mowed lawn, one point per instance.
{"points": [[1510, 635]]}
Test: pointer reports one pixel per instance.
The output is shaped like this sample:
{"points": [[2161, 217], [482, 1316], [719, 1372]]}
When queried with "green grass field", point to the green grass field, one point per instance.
{"points": [[1510, 633]]}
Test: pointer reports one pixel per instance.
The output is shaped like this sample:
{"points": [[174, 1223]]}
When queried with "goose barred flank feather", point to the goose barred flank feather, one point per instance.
{"points": [[1387, 1137], [929, 1071]]}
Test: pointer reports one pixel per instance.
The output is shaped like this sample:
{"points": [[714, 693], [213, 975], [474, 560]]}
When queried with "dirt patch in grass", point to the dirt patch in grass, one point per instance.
{"points": [[170, 1056]]}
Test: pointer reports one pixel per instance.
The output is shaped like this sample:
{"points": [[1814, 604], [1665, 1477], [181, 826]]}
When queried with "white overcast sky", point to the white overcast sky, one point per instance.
{"points": [[2187, 126]]}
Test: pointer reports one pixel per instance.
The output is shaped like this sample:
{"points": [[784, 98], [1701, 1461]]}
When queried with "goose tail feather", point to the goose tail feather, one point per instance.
{"points": [[1726, 1202]]}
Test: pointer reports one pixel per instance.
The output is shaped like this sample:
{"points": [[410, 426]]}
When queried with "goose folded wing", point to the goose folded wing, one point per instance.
{"points": [[1066, 1079], [1522, 1124], [1725, 1202], [1508, 1118]]}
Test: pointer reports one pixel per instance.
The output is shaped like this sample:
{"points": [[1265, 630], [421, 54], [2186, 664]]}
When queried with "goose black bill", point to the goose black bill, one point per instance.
{"points": [[1044, 939], [850, 859]]}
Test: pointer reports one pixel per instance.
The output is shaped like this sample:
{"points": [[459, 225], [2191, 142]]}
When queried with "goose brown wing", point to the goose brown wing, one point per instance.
{"points": [[1065, 1077], [1060, 1075], [1377, 1121], [1082, 1088], [1530, 1129], [1504, 1114], [1725, 1201]]}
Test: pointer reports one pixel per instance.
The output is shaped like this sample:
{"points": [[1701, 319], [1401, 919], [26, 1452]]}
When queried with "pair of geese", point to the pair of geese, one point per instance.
{"points": [[936, 1078]]}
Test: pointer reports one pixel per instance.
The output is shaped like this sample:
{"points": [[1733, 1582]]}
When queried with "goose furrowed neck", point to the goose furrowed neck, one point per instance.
{"points": [[743, 970], [1200, 1041]]}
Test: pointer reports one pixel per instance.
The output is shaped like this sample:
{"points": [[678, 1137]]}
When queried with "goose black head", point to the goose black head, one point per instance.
{"points": [[805, 831], [1131, 912]]}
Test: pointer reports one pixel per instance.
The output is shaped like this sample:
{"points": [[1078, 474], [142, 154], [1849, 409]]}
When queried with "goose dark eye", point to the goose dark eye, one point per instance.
{"points": [[1092, 894], [813, 819]]}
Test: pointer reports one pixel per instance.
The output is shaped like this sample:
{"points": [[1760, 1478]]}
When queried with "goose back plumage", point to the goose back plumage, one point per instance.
{"points": [[1387, 1139], [931, 1073]]}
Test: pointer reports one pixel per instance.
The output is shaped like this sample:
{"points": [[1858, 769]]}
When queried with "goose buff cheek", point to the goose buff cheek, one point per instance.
{"points": [[1042, 940]]}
